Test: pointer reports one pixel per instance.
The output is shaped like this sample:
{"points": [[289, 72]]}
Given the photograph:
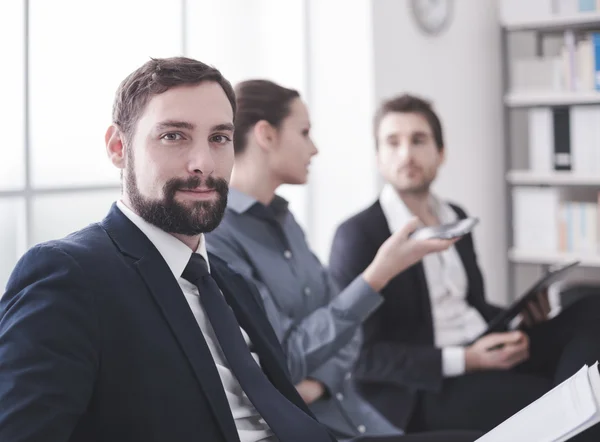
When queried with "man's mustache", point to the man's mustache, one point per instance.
{"points": [[210, 183]]}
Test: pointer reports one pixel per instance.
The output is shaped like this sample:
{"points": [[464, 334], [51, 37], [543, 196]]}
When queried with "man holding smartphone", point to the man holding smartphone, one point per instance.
{"points": [[419, 365]]}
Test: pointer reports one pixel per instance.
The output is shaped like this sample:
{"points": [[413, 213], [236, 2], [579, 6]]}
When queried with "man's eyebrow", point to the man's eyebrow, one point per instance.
{"points": [[421, 133], [222, 127], [174, 124]]}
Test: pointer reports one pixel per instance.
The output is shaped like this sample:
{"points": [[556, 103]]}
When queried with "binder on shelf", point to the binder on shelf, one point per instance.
{"points": [[569, 63], [562, 138], [541, 139], [535, 218], [585, 64], [585, 139]]}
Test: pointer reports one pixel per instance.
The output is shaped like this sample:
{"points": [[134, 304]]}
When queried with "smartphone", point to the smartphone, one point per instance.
{"points": [[446, 231]]}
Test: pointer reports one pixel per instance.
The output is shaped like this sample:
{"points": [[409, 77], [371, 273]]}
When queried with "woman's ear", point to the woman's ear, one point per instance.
{"points": [[265, 135]]}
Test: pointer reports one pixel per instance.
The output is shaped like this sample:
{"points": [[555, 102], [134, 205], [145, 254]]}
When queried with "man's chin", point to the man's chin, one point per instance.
{"points": [[413, 188]]}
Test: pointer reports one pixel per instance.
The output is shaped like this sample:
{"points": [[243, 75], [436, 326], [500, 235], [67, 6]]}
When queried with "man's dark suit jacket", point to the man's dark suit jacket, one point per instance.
{"points": [[398, 356], [98, 344]]}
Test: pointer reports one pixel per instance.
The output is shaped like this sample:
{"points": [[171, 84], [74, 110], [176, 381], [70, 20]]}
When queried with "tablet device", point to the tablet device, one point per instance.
{"points": [[446, 231], [501, 322]]}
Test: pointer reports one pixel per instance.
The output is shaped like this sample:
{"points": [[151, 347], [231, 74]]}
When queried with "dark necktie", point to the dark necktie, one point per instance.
{"points": [[286, 420]]}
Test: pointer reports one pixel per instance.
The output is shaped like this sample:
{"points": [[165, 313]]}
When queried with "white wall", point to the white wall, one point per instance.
{"points": [[341, 99], [460, 71]]}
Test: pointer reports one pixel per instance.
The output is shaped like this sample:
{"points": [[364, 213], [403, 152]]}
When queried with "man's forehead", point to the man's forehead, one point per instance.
{"points": [[202, 105], [405, 122]]}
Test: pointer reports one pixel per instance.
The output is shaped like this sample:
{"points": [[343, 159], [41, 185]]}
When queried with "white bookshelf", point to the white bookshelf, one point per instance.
{"points": [[550, 98], [549, 258], [531, 178], [556, 28], [580, 21]]}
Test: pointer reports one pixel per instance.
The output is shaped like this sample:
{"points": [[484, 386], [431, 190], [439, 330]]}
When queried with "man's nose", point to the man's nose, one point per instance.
{"points": [[201, 160]]}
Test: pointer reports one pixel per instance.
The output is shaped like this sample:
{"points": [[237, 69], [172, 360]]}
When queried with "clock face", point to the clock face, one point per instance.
{"points": [[432, 16]]}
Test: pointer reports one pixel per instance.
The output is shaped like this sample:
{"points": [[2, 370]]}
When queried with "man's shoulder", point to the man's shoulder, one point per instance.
{"points": [[89, 242], [87, 246], [363, 218], [78, 258]]}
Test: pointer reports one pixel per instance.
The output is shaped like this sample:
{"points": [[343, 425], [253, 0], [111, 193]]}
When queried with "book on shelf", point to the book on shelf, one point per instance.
{"points": [[545, 224], [565, 411], [576, 67], [578, 228]]}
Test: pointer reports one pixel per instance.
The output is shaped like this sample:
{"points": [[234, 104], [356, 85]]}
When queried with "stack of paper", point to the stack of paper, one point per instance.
{"points": [[560, 414]]}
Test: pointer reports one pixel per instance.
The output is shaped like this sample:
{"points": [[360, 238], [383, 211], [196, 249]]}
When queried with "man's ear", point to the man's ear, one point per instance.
{"points": [[442, 153], [265, 134], [115, 146]]}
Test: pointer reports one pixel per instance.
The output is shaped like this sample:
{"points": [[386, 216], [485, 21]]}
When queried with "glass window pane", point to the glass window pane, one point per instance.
{"points": [[79, 53], [12, 77], [55, 216], [12, 236]]}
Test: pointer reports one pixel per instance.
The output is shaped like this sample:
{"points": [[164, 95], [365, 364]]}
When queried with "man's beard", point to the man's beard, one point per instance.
{"points": [[420, 188], [174, 217]]}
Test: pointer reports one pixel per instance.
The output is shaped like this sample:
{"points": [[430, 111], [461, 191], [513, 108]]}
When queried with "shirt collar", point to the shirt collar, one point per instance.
{"points": [[395, 211], [241, 202], [397, 214], [175, 253]]}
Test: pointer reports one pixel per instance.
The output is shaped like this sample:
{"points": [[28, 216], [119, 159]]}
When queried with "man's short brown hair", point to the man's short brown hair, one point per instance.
{"points": [[410, 104], [155, 77]]}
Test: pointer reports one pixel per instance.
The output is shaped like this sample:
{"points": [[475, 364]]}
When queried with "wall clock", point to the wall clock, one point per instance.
{"points": [[432, 16]]}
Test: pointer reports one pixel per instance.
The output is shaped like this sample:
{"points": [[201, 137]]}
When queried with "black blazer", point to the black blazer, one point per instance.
{"points": [[98, 344], [398, 356]]}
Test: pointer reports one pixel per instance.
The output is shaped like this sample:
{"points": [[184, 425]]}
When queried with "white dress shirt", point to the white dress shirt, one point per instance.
{"points": [[455, 322], [250, 426]]}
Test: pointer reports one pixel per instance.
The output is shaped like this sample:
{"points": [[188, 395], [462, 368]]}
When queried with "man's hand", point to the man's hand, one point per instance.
{"points": [[497, 351], [536, 310], [310, 390], [398, 253]]}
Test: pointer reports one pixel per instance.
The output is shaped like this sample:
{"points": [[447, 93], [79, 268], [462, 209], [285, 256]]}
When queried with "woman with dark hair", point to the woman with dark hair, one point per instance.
{"points": [[317, 325]]}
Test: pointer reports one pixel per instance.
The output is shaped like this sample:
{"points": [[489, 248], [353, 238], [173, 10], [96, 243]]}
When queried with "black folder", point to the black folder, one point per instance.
{"points": [[501, 322]]}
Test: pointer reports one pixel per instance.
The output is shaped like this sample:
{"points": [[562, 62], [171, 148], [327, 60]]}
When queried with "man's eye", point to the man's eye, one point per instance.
{"points": [[220, 139], [172, 136]]}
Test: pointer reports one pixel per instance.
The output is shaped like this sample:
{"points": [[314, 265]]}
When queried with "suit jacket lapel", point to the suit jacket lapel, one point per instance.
{"points": [[253, 320], [425, 300], [166, 292], [416, 272], [462, 251]]}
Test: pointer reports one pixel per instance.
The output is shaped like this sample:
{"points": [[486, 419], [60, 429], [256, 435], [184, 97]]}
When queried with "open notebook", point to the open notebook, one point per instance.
{"points": [[565, 411]]}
